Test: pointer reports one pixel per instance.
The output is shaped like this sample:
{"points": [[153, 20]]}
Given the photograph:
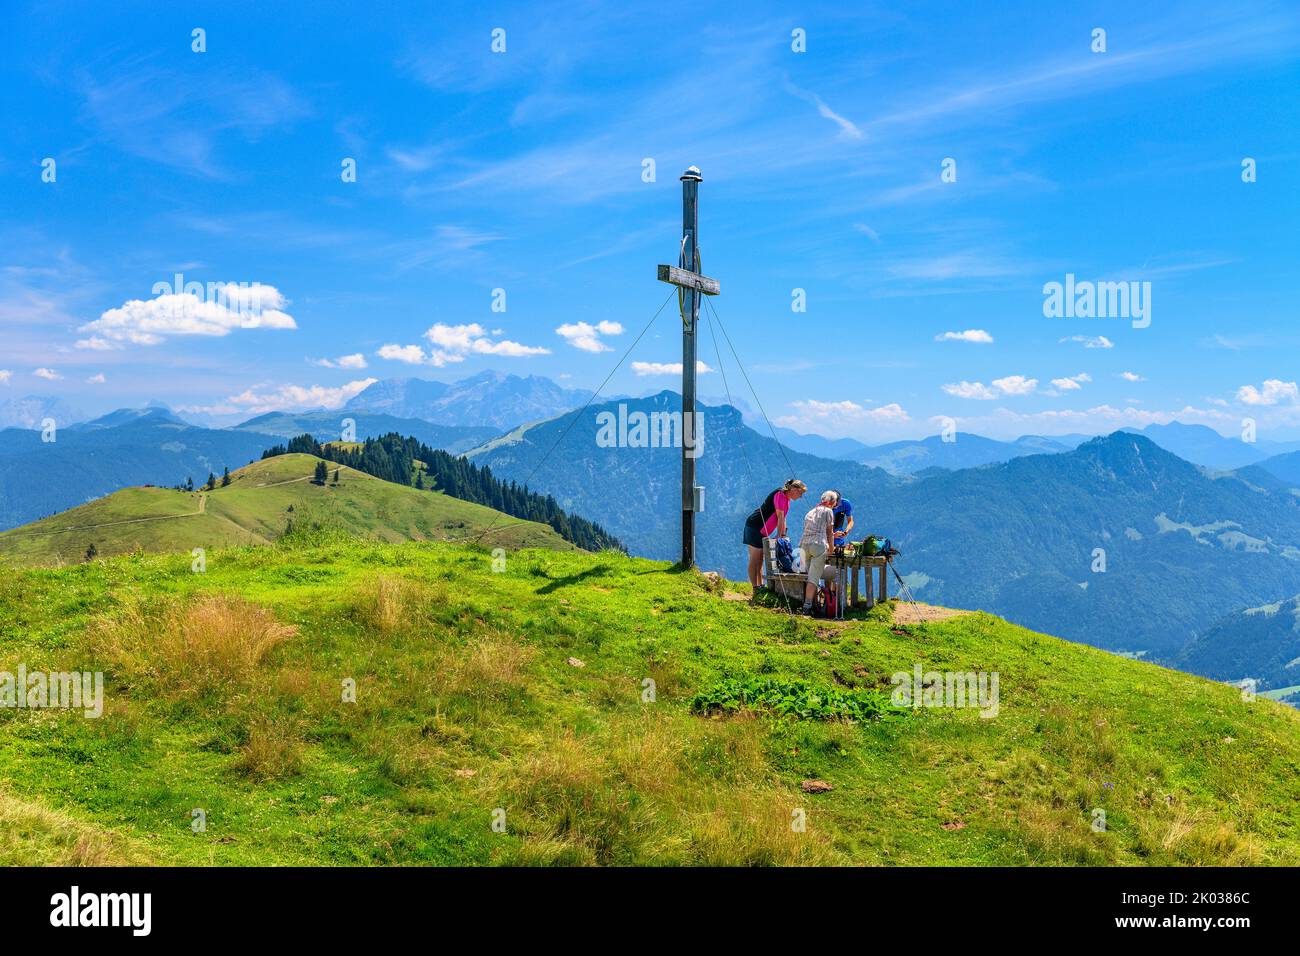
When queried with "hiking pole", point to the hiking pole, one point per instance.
{"points": [[905, 590]]}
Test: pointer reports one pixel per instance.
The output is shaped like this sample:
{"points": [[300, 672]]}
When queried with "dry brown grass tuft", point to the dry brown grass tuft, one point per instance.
{"points": [[489, 666], [213, 644], [389, 603], [272, 750], [758, 827], [32, 835]]}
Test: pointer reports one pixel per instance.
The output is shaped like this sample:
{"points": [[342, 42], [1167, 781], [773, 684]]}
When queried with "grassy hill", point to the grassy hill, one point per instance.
{"points": [[519, 694], [256, 508]]}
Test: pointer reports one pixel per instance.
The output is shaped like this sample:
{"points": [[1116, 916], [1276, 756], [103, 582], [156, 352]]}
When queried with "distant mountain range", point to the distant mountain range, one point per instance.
{"points": [[327, 426], [1195, 443], [488, 399], [1193, 525], [85, 461], [1017, 538], [31, 410], [152, 445]]}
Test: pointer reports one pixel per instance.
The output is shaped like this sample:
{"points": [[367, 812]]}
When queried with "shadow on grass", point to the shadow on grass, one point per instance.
{"points": [[564, 582]]}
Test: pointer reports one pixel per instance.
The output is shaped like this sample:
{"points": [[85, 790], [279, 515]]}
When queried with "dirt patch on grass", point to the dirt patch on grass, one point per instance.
{"points": [[905, 613]]}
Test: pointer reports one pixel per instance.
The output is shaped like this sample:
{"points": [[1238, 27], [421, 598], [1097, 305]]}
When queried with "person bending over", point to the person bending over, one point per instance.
{"points": [[817, 542], [766, 518]]}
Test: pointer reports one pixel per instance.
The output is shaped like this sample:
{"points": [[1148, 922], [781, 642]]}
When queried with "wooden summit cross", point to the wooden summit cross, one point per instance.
{"points": [[686, 276]]}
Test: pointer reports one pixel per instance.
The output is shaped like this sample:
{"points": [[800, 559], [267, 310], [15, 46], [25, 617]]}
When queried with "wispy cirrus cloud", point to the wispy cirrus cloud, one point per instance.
{"points": [[643, 369], [177, 119], [974, 336], [1089, 341], [355, 360]]}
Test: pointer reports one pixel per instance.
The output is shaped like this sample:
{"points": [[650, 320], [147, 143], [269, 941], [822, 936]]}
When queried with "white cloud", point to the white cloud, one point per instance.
{"points": [[976, 390], [1131, 377], [1011, 385], [355, 360], [585, 336], [508, 348], [410, 354], [1015, 385], [666, 368], [842, 415], [977, 336], [452, 343], [846, 410], [48, 374], [1274, 392], [95, 343], [5, 376], [1072, 383], [96, 379], [260, 399], [867, 231], [1091, 341], [225, 308]]}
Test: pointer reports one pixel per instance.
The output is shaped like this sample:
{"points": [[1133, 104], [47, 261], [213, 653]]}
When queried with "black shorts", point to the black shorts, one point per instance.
{"points": [[753, 535]]}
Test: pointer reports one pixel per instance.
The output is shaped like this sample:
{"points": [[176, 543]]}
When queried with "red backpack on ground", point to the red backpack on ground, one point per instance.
{"points": [[824, 603]]}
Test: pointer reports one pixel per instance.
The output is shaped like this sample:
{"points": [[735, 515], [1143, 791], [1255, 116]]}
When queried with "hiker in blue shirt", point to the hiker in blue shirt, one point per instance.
{"points": [[843, 512]]}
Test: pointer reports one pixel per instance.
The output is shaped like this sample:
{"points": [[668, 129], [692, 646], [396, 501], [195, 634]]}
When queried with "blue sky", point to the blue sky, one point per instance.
{"points": [[522, 171]]}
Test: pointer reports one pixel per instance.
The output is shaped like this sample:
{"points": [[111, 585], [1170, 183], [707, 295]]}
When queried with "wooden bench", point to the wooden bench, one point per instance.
{"points": [[860, 565], [785, 583]]}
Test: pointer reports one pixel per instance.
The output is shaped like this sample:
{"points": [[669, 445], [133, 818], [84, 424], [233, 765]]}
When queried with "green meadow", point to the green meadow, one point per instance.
{"points": [[570, 708]]}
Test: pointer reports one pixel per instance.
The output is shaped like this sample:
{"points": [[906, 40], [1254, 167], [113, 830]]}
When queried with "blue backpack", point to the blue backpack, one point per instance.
{"points": [[784, 556]]}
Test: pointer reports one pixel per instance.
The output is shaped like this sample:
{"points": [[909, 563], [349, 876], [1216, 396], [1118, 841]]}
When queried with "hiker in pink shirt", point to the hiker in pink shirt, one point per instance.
{"points": [[766, 518]]}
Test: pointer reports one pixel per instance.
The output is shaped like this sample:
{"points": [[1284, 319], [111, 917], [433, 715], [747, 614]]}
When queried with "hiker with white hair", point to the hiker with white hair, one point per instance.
{"points": [[817, 542]]}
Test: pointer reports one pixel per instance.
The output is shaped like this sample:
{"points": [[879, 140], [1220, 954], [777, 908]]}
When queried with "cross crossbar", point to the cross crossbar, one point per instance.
{"points": [[689, 280]]}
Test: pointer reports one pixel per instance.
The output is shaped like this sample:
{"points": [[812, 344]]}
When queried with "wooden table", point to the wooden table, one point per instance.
{"points": [[867, 564]]}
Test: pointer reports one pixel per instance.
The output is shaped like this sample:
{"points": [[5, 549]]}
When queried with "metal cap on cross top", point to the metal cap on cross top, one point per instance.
{"points": [[686, 276]]}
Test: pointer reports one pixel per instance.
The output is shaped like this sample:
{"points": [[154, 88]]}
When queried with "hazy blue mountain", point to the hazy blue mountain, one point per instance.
{"points": [[1016, 538], [86, 461], [327, 426], [966, 451], [839, 449], [1019, 538], [489, 398], [1259, 642], [1204, 446], [638, 490], [1285, 468], [150, 414], [30, 410]]}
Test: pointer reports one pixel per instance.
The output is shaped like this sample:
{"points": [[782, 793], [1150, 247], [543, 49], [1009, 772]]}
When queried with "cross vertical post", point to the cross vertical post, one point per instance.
{"points": [[691, 285], [691, 180]]}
